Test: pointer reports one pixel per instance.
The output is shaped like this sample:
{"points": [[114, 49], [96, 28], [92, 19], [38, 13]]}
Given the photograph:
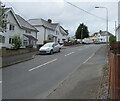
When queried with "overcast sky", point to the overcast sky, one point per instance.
{"points": [[67, 15]]}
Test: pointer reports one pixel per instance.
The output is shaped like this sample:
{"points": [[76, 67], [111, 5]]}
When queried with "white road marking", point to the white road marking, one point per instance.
{"points": [[42, 65], [89, 58], [0, 81], [69, 53]]}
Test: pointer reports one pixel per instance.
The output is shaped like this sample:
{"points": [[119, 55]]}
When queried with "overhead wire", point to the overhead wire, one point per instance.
{"points": [[84, 10]]}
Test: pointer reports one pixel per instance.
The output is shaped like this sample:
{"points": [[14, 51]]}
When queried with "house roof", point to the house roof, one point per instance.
{"points": [[103, 33], [42, 22], [118, 27], [24, 23], [21, 22], [30, 37], [47, 24], [63, 31], [54, 25], [6, 9]]}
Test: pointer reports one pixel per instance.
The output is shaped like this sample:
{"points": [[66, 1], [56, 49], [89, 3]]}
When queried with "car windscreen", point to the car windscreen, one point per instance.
{"points": [[48, 45]]}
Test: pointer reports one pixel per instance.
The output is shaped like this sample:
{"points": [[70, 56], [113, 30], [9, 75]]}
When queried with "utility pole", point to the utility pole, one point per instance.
{"points": [[115, 29], [81, 35], [0, 4], [107, 40]]}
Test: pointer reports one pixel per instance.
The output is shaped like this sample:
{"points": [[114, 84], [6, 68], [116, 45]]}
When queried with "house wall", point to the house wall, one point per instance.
{"points": [[60, 36], [40, 35], [17, 31], [58, 33], [102, 38], [49, 32], [11, 33]]}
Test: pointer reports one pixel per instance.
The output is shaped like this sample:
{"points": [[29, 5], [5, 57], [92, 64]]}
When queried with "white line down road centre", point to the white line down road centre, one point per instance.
{"points": [[43, 64]]}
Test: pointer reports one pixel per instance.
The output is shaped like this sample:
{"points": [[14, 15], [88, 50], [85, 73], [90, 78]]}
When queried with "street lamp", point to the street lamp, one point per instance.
{"points": [[81, 35], [106, 24]]}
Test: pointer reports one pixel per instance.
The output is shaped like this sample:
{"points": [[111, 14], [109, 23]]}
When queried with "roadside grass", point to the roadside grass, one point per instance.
{"points": [[105, 67], [103, 93]]}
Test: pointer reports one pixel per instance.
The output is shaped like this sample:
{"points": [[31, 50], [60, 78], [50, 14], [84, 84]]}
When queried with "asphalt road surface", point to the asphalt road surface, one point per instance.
{"points": [[36, 78]]}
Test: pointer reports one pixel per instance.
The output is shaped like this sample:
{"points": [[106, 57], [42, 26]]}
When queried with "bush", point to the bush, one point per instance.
{"points": [[17, 43], [112, 38], [46, 41]]}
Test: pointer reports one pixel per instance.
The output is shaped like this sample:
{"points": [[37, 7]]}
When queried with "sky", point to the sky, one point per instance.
{"points": [[67, 15]]}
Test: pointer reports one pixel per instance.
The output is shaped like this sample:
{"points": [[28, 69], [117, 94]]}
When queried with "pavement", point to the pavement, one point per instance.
{"points": [[40, 77]]}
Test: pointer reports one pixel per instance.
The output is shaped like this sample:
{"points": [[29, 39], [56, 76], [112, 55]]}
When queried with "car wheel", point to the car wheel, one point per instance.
{"points": [[51, 52], [59, 50]]}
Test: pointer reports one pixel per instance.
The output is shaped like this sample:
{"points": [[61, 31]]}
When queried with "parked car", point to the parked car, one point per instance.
{"points": [[50, 48], [87, 43], [96, 42]]}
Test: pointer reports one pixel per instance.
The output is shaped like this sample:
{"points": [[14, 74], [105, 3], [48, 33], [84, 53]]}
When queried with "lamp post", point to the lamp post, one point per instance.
{"points": [[81, 35], [106, 24]]}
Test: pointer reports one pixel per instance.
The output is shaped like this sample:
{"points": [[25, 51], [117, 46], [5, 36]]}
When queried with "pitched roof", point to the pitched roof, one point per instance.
{"points": [[52, 26], [30, 37], [42, 22], [47, 24], [24, 23], [103, 33], [118, 27], [6, 9], [63, 31], [21, 22]]}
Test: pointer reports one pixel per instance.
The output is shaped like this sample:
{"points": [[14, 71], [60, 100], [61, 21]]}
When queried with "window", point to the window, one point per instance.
{"points": [[28, 31], [10, 40], [25, 42], [57, 33], [11, 27], [2, 39]]}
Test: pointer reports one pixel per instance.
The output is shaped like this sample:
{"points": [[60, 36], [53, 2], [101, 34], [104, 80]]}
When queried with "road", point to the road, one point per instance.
{"points": [[36, 78]]}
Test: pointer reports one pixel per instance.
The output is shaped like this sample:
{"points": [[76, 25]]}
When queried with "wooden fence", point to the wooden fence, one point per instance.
{"points": [[114, 70]]}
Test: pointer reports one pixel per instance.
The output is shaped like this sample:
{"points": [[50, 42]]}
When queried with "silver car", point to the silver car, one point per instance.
{"points": [[50, 48]]}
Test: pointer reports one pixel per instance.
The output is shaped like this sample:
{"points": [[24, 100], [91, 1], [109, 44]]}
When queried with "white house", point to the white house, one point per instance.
{"points": [[49, 31], [118, 29], [17, 26], [101, 36]]}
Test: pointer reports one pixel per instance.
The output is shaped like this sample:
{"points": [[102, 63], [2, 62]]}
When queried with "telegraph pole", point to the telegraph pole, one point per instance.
{"points": [[115, 29]]}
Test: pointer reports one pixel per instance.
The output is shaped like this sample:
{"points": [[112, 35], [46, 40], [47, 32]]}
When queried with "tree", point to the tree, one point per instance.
{"points": [[17, 42], [112, 38], [82, 32], [3, 16]]}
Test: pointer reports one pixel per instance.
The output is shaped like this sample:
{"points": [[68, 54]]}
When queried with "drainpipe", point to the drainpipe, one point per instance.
{"points": [[44, 33]]}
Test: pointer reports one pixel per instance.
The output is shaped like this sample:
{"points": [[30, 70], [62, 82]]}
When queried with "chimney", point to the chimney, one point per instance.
{"points": [[49, 21]]}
